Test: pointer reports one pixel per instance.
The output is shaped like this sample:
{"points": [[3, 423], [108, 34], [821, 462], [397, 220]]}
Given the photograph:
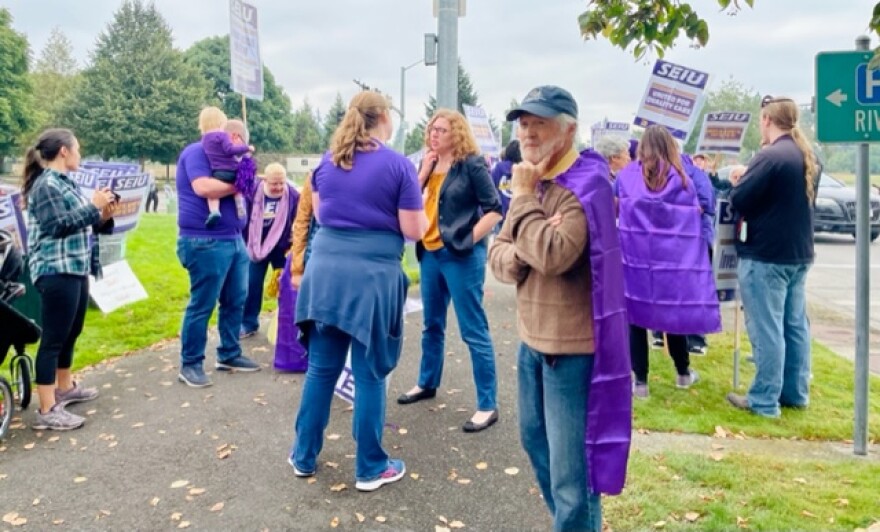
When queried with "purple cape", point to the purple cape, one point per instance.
{"points": [[290, 355], [609, 419], [669, 281]]}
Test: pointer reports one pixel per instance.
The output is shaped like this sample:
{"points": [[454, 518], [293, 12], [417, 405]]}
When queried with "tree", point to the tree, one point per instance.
{"points": [[467, 95], [16, 97], [139, 99], [54, 78], [269, 121], [507, 127], [656, 24], [333, 118], [731, 96], [306, 130]]}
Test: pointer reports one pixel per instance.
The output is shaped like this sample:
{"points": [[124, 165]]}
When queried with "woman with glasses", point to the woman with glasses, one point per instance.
{"points": [[366, 199], [774, 198], [462, 207]]}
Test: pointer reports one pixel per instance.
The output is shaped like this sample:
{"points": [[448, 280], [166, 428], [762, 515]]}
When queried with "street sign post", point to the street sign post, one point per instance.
{"points": [[848, 111], [847, 98]]}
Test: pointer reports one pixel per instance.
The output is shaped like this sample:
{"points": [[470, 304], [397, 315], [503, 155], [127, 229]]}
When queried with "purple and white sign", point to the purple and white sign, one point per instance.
{"points": [[673, 98], [244, 51], [482, 130], [132, 190], [11, 217], [604, 128], [723, 132]]}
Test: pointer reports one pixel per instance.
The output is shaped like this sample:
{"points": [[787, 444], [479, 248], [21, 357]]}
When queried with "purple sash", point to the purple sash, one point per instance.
{"points": [[669, 282], [290, 355], [609, 419]]}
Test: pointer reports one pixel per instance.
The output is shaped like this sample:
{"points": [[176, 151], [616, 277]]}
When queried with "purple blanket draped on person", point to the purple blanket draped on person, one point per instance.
{"points": [[609, 420], [290, 355], [669, 282]]}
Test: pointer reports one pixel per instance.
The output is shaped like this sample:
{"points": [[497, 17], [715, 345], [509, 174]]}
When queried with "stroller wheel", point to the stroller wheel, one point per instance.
{"points": [[21, 376], [6, 406]]}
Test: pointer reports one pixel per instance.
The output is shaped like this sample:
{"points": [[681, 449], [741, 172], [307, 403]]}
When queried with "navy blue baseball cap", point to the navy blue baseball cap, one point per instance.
{"points": [[546, 101]]}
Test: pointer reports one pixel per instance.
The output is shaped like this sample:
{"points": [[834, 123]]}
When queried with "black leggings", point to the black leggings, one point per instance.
{"points": [[638, 350], [65, 299]]}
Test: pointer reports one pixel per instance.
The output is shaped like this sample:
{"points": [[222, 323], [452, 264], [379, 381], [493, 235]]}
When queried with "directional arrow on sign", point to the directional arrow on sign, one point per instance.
{"points": [[837, 97]]}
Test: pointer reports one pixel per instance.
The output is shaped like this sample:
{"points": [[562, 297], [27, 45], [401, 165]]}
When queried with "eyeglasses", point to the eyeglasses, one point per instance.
{"points": [[767, 100], [439, 130]]}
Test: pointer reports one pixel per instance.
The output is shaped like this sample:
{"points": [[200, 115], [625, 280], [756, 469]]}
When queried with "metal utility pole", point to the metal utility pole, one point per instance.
{"points": [[447, 12], [863, 282]]}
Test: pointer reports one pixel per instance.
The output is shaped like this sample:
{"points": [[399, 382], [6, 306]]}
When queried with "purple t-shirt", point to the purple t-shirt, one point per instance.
{"points": [[221, 152], [192, 210], [369, 195]]}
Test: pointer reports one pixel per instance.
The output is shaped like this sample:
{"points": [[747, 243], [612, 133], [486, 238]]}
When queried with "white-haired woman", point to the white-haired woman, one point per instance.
{"points": [[615, 150]]}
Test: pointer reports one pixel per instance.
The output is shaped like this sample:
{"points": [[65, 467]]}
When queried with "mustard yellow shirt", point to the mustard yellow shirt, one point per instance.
{"points": [[432, 240], [562, 165]]}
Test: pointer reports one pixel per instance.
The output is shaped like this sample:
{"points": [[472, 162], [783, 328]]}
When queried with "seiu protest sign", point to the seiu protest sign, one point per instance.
{"points": [[132, 189], [673, 99], [11, 217], [723, 132]]}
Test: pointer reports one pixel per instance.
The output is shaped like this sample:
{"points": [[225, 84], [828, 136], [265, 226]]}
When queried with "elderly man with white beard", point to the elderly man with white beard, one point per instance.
{"points": [[559, 245]]}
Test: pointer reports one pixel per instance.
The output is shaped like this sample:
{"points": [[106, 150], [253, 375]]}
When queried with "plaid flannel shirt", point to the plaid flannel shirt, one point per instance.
{"points": [[59, 225]]}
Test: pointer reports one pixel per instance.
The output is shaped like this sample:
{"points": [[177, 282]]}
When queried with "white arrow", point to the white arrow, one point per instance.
{"points": [[837, 97]]}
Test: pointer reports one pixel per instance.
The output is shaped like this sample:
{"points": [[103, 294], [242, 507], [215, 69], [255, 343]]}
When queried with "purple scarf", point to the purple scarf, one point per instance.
{"points": [[257, 248], [668, 277], [609, 419]]}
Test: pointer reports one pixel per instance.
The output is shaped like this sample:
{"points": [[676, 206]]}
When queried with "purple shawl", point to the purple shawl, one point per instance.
{"points": [[668, 277], [290, 355], [609, 419]]}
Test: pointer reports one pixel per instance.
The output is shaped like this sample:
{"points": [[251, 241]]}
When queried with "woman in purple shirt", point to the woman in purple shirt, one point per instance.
{"points": [[366, 198]]}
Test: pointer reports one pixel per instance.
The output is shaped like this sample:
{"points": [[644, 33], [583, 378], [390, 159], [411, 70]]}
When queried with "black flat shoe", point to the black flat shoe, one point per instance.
{"points": [[470, 426], [427, 393]]}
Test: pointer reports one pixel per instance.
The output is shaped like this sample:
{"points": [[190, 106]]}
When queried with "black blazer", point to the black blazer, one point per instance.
{"points": [[466, 195]]}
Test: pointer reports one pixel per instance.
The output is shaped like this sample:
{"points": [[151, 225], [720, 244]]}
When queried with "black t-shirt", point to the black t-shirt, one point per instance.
{"points": [[772, 199]]}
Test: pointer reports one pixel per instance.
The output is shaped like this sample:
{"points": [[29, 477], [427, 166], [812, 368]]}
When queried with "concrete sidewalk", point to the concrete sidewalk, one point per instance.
{"points": [[155, 454]]}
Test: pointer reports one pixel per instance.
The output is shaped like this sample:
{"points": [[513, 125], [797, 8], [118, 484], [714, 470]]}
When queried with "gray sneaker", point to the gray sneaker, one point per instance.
{"points": [[57, 418], [640, 390], [683, 382], [193, 376], [239, 363], [77, 394]]}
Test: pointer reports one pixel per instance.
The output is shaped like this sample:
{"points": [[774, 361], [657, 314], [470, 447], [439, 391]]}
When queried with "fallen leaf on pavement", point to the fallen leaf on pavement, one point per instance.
{"points": [[79, 480], [311, 480], [176, 516], [217, 507], [36, 502], [334, 522], [183, 524], [58, 521], [332, 465], [29, 446], [53, 439], [482, 465], [360, 517], [338, 487], [456, 524], [138, 425], [443, 519], [402, 431], [179, 484], [381, 518], [154, 501], [512, 471], [333, 436], [720, 432], [438, 528], [464, 481], [196, 491], [414, 476]]}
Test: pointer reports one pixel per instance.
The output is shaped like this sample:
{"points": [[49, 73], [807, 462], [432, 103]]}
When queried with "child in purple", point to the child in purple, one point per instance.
{"points": [[222, 154]]}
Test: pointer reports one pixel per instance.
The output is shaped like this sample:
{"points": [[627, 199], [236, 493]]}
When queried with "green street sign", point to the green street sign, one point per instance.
{"points": [[847, 98]]}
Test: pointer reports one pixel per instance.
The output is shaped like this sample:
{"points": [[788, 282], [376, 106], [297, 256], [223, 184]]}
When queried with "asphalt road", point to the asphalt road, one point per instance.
{"points": [[832, 280]]}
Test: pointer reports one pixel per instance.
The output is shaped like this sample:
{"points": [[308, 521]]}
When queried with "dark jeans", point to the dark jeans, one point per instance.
{"points": [[153, 199], [64, 301], [638, 350], [256, 279]]}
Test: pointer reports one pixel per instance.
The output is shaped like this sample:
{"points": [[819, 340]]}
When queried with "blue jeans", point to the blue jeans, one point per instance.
{"points": [[328, 347], [775, 305], [443, 276], [217, 272], [553, 403], [256, 279]]}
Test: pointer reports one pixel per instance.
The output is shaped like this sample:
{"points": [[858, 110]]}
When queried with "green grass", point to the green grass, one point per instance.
{"points": [[703, 407], [151, 252], [745, 491]]}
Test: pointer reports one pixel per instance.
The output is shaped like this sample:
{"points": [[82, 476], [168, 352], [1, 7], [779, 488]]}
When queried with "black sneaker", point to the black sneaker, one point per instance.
{"points": [[193, 376], [239, 363]]}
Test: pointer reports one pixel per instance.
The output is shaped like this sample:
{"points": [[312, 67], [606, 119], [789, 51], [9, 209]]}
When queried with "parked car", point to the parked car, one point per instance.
{"points": [[835, 206]]}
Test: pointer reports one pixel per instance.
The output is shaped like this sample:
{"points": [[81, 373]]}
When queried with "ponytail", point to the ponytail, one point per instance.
{"points": [[810, 166], [353, 132], [33, 167]]}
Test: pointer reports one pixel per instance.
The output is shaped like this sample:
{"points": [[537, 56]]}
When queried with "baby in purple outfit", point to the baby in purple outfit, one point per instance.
{"points": [[222, 154]]}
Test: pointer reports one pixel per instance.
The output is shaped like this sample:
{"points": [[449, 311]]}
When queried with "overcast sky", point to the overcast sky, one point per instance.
{"points": [[316, 48]]}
